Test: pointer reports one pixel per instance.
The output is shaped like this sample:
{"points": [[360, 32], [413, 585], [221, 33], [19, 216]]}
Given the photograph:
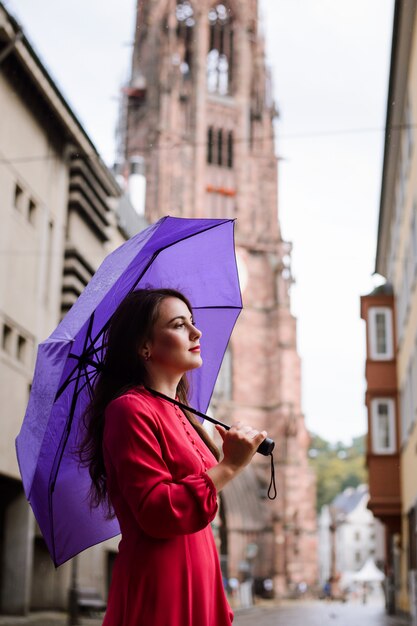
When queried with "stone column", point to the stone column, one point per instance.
{"points": [[17, 562]]}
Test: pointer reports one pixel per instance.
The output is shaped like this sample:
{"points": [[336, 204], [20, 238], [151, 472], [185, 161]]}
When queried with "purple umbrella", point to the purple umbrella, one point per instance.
{"points": [[195, 256]]}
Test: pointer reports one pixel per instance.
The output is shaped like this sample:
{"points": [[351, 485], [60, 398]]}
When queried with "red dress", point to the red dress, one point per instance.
{"points": [[167, 571]]}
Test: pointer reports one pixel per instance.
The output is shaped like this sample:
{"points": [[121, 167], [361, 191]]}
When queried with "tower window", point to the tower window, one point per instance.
{"points": [[185, 25], [210, 144], [230, 149], [219, 147], [220, 56]]}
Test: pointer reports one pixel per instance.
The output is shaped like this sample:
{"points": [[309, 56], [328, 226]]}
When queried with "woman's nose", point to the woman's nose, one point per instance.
{"points": [[195, 332]]}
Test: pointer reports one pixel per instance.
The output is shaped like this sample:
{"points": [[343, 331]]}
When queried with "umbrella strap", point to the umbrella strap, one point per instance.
{"points": [[272, 489]]}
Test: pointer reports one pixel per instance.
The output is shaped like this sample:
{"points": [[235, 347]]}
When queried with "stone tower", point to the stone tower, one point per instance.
{"points": [[198, 120]]}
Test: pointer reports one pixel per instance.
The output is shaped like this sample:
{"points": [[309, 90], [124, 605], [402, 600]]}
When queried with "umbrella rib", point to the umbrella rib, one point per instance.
{"points": [[64, 438], [80, 360], [87, 381], [72, 409], [223, 308], [58, 459]]}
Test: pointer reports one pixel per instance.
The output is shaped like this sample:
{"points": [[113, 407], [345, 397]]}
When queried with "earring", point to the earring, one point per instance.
{"points": [[147, 356]]}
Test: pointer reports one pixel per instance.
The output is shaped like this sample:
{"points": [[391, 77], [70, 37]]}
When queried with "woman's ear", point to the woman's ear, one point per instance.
{"points": [[145, 352]]}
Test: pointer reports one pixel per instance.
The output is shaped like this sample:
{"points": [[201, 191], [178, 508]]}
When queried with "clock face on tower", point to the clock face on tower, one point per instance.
{"points": [[242, 269]]}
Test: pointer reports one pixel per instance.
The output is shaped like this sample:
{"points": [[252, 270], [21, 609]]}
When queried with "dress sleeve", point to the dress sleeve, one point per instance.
{"points": [[162, 507]]}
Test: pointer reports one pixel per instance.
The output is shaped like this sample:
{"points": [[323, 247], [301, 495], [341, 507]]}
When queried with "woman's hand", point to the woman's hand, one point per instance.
{"points": [[239, 445]]}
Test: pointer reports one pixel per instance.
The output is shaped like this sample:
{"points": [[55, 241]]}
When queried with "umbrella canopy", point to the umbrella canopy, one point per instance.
{"points": [[194, 256], [369, 573]]}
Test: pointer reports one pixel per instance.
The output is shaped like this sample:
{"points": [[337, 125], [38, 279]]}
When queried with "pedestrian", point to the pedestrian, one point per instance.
{"points": [[327, 590], [156, 468]]}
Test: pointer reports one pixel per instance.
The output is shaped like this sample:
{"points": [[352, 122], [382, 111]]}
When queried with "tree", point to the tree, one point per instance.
{"points": [[337, 466]]}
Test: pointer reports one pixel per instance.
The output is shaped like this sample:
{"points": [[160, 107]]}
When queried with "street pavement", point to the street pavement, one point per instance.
{"points": [[318, 614], [301, 613]]}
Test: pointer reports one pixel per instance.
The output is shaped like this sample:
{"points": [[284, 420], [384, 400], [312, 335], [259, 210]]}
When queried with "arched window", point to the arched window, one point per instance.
{"points": [[220, 55], [185, 28]]}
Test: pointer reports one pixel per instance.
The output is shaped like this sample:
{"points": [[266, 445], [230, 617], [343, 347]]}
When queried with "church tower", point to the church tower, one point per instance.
{"points": [[198, 122]]}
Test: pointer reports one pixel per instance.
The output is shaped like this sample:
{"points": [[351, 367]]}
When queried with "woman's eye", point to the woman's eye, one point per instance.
{"points": [[179, 325]]}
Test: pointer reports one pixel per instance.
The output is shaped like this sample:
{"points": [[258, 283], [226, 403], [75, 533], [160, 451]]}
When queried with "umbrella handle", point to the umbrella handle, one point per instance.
{"points": [[265, 448]]}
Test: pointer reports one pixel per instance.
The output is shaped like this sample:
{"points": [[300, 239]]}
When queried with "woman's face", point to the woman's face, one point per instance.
{"points": [[175, 345]]}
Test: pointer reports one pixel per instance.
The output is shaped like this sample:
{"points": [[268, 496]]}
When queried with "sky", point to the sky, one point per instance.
{"points": [[330, 67]]}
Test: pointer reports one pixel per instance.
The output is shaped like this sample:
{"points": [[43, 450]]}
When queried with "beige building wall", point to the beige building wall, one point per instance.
{"points": [[397, 261], [59, 219], [33, 197]]}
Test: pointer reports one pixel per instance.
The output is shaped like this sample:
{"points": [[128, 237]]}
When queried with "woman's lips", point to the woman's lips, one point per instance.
{"points": [[196, 349]]}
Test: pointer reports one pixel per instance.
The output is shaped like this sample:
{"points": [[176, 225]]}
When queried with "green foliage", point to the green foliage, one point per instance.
{"points": [[336, 466]]}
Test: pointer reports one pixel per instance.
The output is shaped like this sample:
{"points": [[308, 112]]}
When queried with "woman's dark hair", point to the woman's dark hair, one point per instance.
{"points": [[123, 369]]}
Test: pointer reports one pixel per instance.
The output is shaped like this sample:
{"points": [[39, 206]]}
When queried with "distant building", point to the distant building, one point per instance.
{"points": [[390, 313], [198, 121], [348, 526], [58, 216]]}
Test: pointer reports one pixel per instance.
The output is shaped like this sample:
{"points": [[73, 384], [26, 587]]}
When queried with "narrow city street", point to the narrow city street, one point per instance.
{"points": [[301, 613]]}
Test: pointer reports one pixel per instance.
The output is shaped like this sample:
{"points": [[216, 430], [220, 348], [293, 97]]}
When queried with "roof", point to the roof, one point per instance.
{"points": [[350, 498], [382, 290]]}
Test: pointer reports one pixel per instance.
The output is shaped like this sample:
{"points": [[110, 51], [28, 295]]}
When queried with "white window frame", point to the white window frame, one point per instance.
{"points": [[392, 448], [389, 353]]}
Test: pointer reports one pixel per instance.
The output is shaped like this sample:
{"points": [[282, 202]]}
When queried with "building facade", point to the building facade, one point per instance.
{"points": [[391, 315], [348, 527], [58, 220], [198, 120], [383, 442]]}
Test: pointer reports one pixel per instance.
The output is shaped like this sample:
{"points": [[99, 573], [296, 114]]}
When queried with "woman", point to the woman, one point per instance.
{"points": [[157, 469]]}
